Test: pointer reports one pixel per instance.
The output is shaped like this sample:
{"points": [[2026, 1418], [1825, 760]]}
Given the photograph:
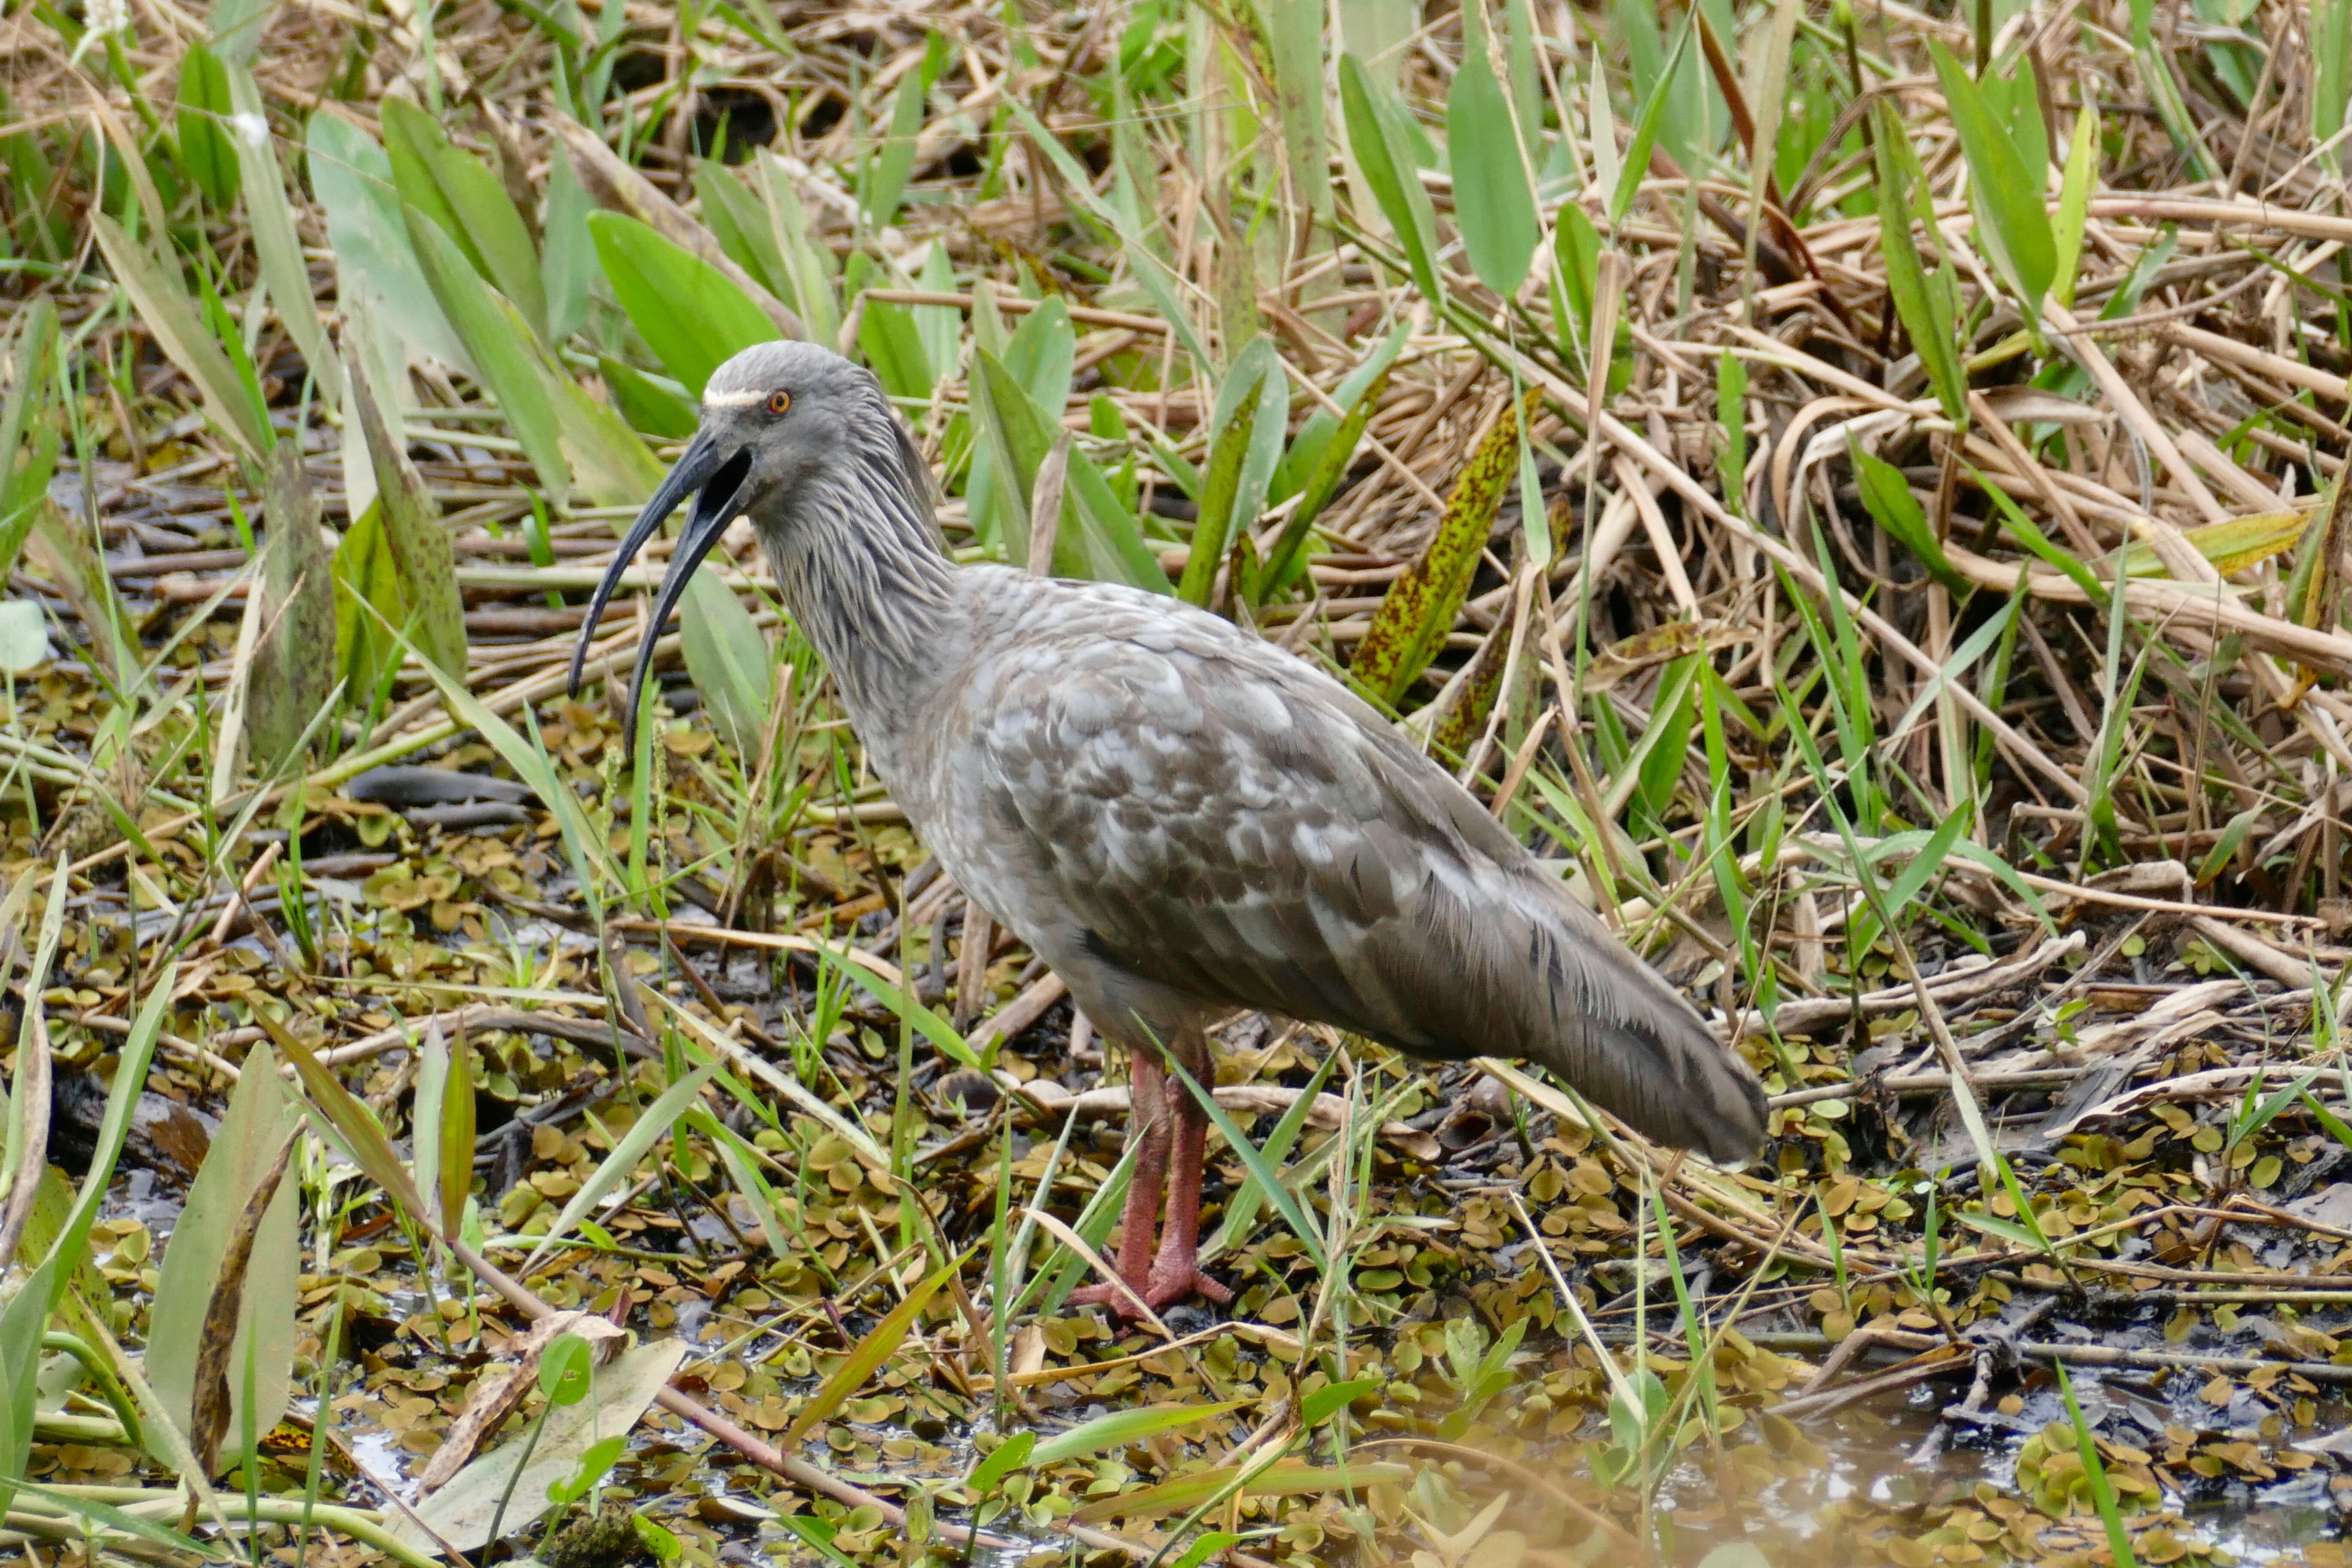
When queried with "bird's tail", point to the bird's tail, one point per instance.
{"points": [[1611, 1026], [1534, 976]]}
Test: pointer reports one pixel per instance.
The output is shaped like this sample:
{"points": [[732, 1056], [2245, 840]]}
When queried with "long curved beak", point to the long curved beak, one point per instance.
{"points": [[713, 476]]}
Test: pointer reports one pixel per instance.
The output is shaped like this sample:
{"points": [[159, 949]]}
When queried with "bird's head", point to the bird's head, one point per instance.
{"points": [[779, 421]]}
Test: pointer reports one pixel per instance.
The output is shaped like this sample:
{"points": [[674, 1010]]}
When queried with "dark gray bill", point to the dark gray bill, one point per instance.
{"points": [[712, 477]]}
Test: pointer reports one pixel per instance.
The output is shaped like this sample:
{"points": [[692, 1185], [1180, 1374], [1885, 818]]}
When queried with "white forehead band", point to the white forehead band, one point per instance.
{"points": [[732, 399]]}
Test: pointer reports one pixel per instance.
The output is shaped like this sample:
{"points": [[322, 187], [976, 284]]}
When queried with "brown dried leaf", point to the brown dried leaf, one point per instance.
{"points": [[208, 1417], [497, 1392]]}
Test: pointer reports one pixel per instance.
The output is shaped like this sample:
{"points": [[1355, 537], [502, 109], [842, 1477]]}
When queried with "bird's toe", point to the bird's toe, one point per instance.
{"points": [[1171, 1285]]}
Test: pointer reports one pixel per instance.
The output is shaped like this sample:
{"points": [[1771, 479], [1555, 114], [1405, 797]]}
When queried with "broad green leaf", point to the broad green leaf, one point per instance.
{"points": [[739, 224], [454, 1130], [691, 315], [1122, 1427], [1246, 429], [1002, 1461], [1041, 350], [1109, 546], [1202, 1547], [499, 344], [817, 1535], [1891, 505], [1307, 451], [1731, 413], [566, 1368], [611, 465], [1096, 536], [995, 493], [570, 265], [805, 257], [1228, 454], [1334, 454], [206, 155], [939, 326], [894, 349], [1333, 1397], [1419, 608], [428, 1107], [23, 635], [658, 406], [459, 193], [729, 662], [2005, 192], [367, 598], [236, 27], [1493, 202], [243, 1151], [1653, 767], [1379, 147], [374, 261], [1294, 37]]}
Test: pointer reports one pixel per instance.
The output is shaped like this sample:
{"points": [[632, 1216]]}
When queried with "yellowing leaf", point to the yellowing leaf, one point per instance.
{"points": [[2232, 546]]}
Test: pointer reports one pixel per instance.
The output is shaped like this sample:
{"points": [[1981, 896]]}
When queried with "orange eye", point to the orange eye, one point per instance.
{"points": [[778, 402]]}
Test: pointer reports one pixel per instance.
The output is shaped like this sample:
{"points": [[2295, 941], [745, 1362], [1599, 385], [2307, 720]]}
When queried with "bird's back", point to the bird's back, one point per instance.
{"points": [[1166, 807]]}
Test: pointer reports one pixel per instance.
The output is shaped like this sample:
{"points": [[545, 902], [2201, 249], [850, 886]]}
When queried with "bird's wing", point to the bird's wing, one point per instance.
{"points": [[1213, 817]]}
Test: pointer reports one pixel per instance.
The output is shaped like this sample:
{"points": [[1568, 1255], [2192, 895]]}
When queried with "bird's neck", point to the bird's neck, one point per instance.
{"points": [[871, 586]]}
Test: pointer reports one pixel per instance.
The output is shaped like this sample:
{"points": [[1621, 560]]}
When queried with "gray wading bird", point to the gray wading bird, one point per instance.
{"points": [[1183, 820]]}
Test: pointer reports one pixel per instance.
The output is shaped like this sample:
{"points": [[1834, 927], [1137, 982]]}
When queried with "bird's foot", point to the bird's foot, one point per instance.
{"points": [[1165, 1287], [1171, 1283]]}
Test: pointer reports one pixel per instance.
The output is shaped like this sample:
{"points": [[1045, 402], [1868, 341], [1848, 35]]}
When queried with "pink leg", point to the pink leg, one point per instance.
{"points": [[1176, 1272], [1148, 1129]]}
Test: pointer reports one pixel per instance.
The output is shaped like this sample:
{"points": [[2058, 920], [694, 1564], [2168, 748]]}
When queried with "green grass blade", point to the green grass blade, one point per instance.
{"points": [[863, 1361], [1286, 1203], [1380, 149], [652, 1124]]}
